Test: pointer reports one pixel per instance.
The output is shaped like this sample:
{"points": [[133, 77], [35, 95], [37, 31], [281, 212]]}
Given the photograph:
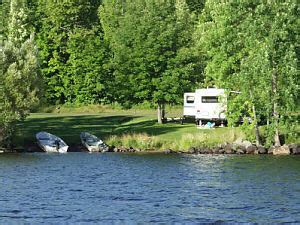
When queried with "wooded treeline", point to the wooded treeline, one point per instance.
{"points": [[136, 51]]}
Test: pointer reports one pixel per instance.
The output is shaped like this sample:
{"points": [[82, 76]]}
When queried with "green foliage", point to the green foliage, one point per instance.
{"points": [[150, 42], [196, 5], [85, 69], [150, 52], [19, 77], [4, 12], [157, 64], [251, 48], [72, 50]]}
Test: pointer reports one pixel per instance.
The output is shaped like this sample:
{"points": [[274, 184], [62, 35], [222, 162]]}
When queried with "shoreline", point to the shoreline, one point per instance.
{"points": [[133, 132], [228, 149]]}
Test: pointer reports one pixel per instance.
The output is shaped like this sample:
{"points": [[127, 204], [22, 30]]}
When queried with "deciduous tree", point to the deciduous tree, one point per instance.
{"points": [[20, 80], [252, 47], [71, 50], [150, 41]]}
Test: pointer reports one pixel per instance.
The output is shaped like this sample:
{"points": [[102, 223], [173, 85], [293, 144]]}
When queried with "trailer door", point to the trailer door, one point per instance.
{"points": [[189, 104]]}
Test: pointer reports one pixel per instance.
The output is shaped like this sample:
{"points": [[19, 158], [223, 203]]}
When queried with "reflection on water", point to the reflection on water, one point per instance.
{"points": [[126, 188]]}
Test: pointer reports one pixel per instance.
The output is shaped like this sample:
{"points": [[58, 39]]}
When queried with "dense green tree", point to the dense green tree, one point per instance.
{"points": [[19, 77], [4, 12], [196, 5], [68, 30], [251, 48], [87, 76], [150, 43]]}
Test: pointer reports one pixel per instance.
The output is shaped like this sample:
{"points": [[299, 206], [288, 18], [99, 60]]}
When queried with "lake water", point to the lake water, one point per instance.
{"points": [[82, 188]]}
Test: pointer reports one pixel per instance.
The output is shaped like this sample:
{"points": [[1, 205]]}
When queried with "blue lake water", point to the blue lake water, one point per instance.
{"points": [[83, 188]]}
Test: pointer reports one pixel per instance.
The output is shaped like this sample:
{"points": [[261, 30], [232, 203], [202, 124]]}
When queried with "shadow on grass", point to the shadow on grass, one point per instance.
{"points": [[69, 127], [148, 126]]}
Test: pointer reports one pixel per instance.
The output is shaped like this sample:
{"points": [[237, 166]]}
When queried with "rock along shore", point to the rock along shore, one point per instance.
{"points": [[293, 149], [238, 147]]}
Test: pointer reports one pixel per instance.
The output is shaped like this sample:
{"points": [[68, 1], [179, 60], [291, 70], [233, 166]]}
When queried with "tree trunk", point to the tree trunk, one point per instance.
{"points": [[258, 143], [257, 136], [275, 109], [160, 113], [163, 111], [276, 124]]}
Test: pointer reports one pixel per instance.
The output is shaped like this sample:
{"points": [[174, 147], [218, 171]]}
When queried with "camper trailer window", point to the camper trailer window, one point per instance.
{"points": [[210, 99], [190, 99]]}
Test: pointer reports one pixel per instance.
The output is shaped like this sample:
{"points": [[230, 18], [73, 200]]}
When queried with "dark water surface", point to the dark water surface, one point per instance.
{"points": [[114, 188]]}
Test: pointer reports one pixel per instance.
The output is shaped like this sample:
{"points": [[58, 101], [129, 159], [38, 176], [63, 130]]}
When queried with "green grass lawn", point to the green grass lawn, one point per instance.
{"points": [[131, 128]]}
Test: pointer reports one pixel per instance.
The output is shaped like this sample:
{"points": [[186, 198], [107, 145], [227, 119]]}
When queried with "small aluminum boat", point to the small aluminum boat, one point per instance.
{"points": [[92, 143], [51, 143]]}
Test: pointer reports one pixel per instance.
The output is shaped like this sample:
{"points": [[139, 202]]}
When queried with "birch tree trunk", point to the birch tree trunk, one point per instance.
{"points": [[257, 136], [275, 109], [258, 143]]}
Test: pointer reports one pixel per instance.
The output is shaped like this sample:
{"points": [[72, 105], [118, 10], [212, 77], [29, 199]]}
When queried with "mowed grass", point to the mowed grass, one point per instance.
{"points": [[131, 128]]}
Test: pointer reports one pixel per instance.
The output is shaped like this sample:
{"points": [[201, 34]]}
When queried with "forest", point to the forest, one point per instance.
{"points": [[131, 52]]}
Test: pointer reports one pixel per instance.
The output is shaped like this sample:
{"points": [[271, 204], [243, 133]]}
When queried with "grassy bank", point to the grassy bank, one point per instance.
{"points": [[129, 128]]}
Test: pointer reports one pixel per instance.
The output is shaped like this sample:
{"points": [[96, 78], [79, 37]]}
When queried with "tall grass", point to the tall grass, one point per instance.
{"points": [[207, 139], [136, 140]]}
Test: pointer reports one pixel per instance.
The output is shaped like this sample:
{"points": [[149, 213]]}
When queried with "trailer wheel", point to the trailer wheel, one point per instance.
{"points": [[198, 122]]}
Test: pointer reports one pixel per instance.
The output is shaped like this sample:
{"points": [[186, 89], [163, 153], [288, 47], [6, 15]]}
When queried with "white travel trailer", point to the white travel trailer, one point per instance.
{"points": [[205, 105]]}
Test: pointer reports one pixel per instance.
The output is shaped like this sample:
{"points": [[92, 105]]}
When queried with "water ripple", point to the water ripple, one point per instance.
{"points": [[125, 189]]}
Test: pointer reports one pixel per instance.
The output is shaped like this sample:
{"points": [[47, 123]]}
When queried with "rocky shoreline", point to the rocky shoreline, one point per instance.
{"points": [[238, 147], [293, 149]]}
